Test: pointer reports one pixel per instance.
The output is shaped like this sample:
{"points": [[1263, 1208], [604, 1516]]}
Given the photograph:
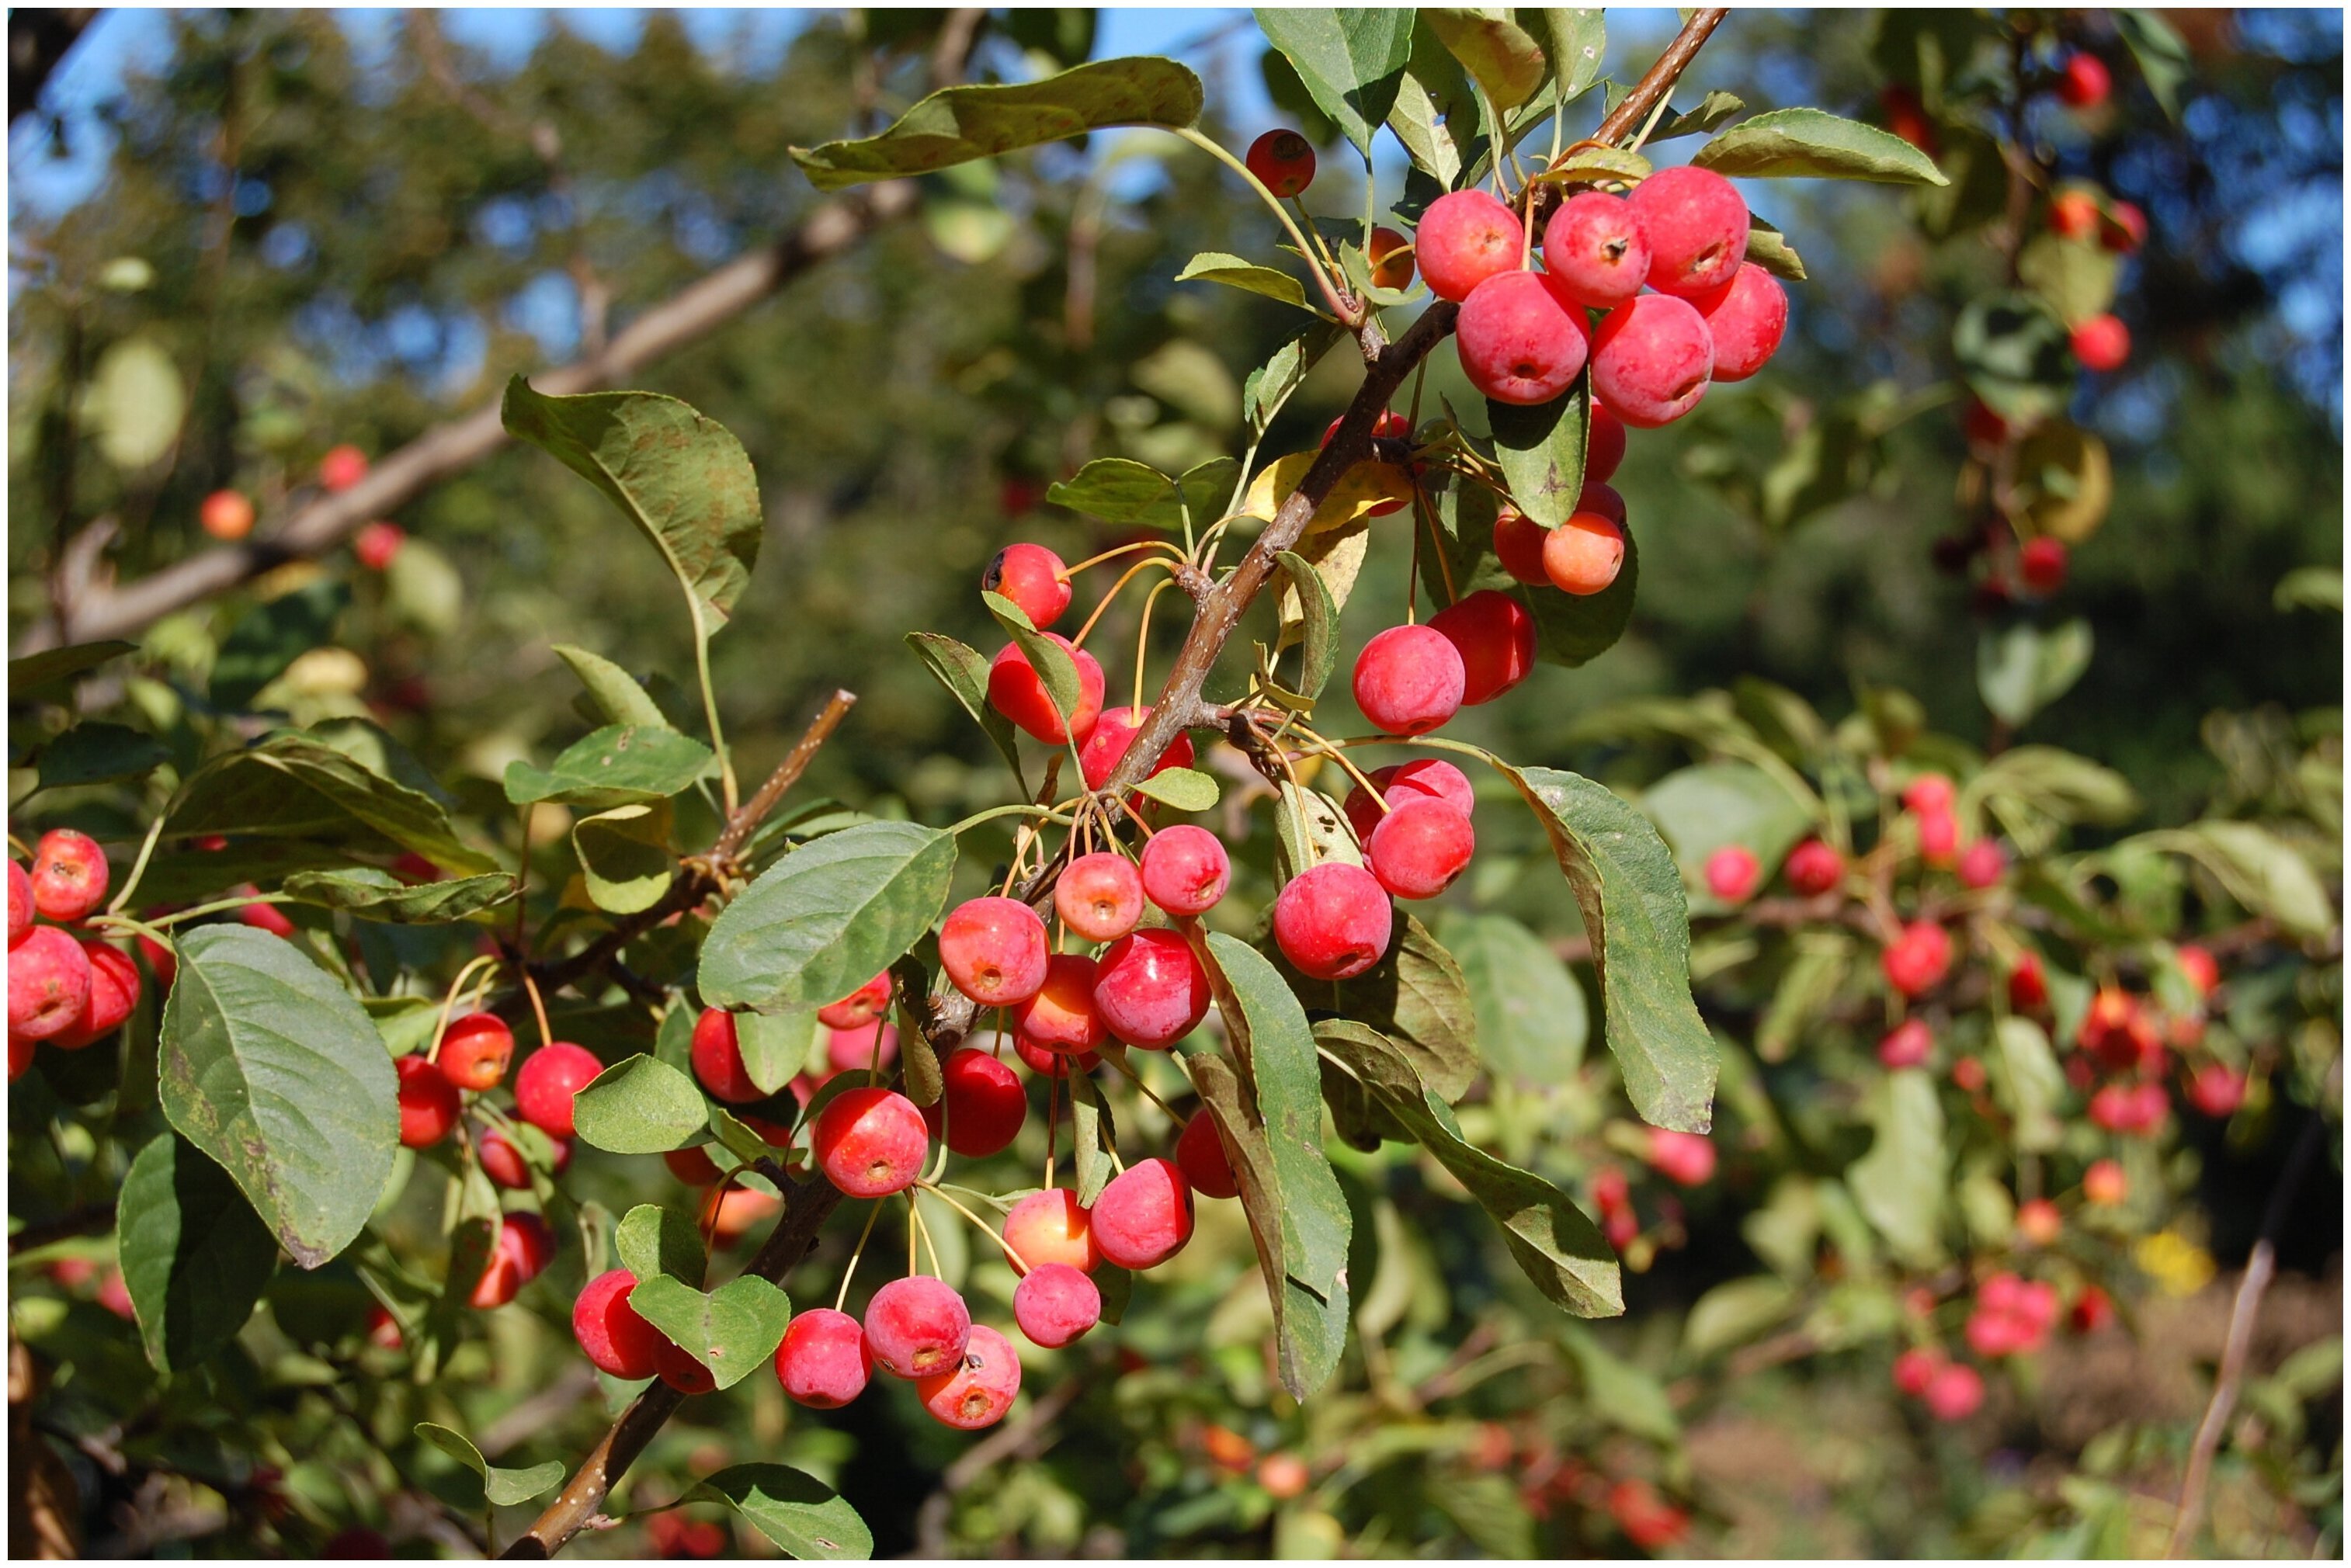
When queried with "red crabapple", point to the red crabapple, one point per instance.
{"points": [[1144, 1216], [1519, 541], [1099, 895], [2197, 964], [2102, 343], [1594, 252], [1695, 224], [1652, 357], [693, 1166], [342, 467], [1390, 255], [474, 1051], [1283, 1476], [1418, 846], [1956, 1392], [993, 950], [225, 514], [611, 1333], [1332, 921], [264, 916], [1062, 1016], [2126, 230], [981, 1107], [867, 1049], [521, 1252], [1731, 874], [916, 1326], [1185, 870], [1604, 448], [1928, 794], [1813, 868], [717, 1056], [504, 1164], [1968, 1074], [1496, 639], [114, 987], [2073, 214], [728, 1213], [2105, 1185], [1018, 692], [871, 1143], [1916, 960], [980, 1388], [2083, 81], [1519, 344], [1105, 748], [1906, 116], [550, 1079], [1391, 425], [1914, 1369], [1033, 578], [1200, 1155], [1055, 1305], [1408, 680], [1982, 864], [2041, 564], [1686, 1159], [1611, 1190], [1049, 1226], [20, 902], [1647, 1519], [376, 544], [1604, 499], [860, 1006], [1282, 160], [1426, 777], [428, 1103], [1052, 1063], [1464, 239], [823, 1362], [69, 875], [2028, 987], [49, 984], [2093, 1310], [1938, 838], [21, 1050], [2039, 1222], [679, 1369], [1746, 318], [1909, 1044], [1584, 554], [1150, 989]]}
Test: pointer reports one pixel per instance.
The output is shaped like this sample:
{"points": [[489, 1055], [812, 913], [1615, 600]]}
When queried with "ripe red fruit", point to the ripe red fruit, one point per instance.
{"points": [[2041, 564], [1283, 1476], [1106, 746], [1652, 357], [1052, 1063], [2197, 964], [1604, 449], [2039, 1222], [1423, 777], [2073, 214], [1496, 639], [2093, 1310], [1408, 680], [1033, 578], [1594, 251], [263, 916], [1686, 1159], [679, 1369], [1018, 692], [474, 1051], [1611, 1191], [1185, 870], [1914, 1369], [1584, 554], [20, 1049], [728, 1213], [823, 1362], [717, 1057], [866, 1049], [1464, 239], [1200, 1155], [1813, 868], [1604, 499], [1731, 874], [871, 1143], [2083, 81], [225, 514], [1055, 1305], [2126, 231], [342, 467], [1333, 921], [1906, 116], [916, 1327], [993, 950], [1099, 895], [2105, 1185], [1982, 864], [1518, 343], [2028, 986], [1968, 1074], [1391, 425], [979, 1389], [1150, 989], [1518, 541], [114, 987], [1144, 1216], [1929, 794], [2102, 343], [1909, 1044], [1695, 224], [523, 1249], [1916, 960], [20, 903], [1746, 318], [2116, 1030], [860, 1006], [1390, 255], [1647, 1519], [612, 1333], [1282, 160], [49, 984], [1956, 1392], [504, 1164], [693, 1166], [550, 1079], [428, 1102], [69, 875], [376, 544], [1049, 1226], [1419, 846], [981, 1108], [1062, 1016]]}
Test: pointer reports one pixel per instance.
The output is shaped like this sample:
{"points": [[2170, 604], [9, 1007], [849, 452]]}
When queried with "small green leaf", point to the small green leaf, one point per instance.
{"points": [[195, 1256], [99, 753], [500, 1488], [1714, 111], [36, 673], [615, 765], [375, 894], [827, 917], [1810, 143], [1541, 450], [1901, 1184], [616, 692], [1270, 386], [640, 1105], [1503, 58], [1092, 1135], [1768, 249], [964, 673], [1121, 490], [1350, 61], [1320, 614], [296, 786], [1184, 788], [2029, 1083], [2022, 669], [1215, 267], [803, 1517], [731, 1330], [652, 1241], [1056, 669], [776, 1046], [1574, 40]]}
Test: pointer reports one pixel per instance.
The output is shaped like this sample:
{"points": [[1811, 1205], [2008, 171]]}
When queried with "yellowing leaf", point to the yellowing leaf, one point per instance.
{"points": [[1361, 490]]}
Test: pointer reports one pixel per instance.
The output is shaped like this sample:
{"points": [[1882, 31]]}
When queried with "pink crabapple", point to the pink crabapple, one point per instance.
{"points": [[1418, 846], [871, 1143], [1185, 870], [1518, 343], [1055, 1305], [1594, 252], [1064, 1015], [1333, 922], [1695, 225], [981, 1107], [978, 1390], [1465, 238], [1033, 578], [823, 1362], [1150, 989], [1050, 1227], [68, 876], [1409, 680], [916, 1326], [1495, 636], [994, 951], [550, 1079], [1099, 895], [1144, 1215]]}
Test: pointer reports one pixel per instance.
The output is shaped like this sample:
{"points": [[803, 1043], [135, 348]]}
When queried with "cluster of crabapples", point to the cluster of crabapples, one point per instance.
{"points": [[66, 990], [229, 515]]}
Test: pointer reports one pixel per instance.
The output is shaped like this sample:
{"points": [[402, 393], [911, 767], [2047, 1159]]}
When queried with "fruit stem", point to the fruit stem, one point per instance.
{"points": [[537, 1003], [138, 867], [1118, 1060], [850, 1272], [1068, 573], [1321, 279], [218, 906], [1143, 635], [1115, 589], [449, 1003], [936, 1190]]}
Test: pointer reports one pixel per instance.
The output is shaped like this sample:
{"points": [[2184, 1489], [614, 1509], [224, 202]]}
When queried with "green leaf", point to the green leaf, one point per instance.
{"points": [[1184, 788], [803, 1517], [1216, 267], [375, 894], [1311, 828], [1768, 249], [268, 1065], [195, 1258], [2014, 354], [1576, 40], [1713, 805], [1531, 1021], [268, 637], [2021, 670], [2162, 55], [1320, 614], [625, 861], [1622, 1394], [1503, 58], [1418, 997], [2260, 869], [826, 919], [1420, 125], [640, 1105], [1092, 1135], [1269, 385], [1714, 111], [1541, 450], [2028, 1082], [653, 1242], [615, 765], [964, 673], [1352, 61], [1121, 490], [1578, 628], [959, 124], [616, 692], [683, 480], [500, 1488], [777, 1046], [1900, 1185], [36, 673], [2309, 588], [732, 1331], [1810, 143], [1056, 669], [99, 753], [1734, 1313], [294, 786], [1553, 1241], [1637, 916], [2077, 277]]}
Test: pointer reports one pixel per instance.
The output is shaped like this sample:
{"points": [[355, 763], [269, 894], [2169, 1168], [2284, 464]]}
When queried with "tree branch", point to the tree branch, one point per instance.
{"points": [[1653, 87]]}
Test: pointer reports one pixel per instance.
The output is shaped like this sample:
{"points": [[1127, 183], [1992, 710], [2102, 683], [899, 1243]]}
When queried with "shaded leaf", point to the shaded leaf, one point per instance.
{"points": [[1900, 1185], [36, 673], [1056, 669], [97, 752], [1121, 490], [1503, 58], [1352, 61], [1532, 1020], [1812, 143], [270, 636], [625, 861], [1317, 615], [195, 1258], [652, 1242], [964, 673], [500, 1488], [294, 786], [803, 1517], [375, 894], [1578, 628], [826, 919], [2022, 669]]}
